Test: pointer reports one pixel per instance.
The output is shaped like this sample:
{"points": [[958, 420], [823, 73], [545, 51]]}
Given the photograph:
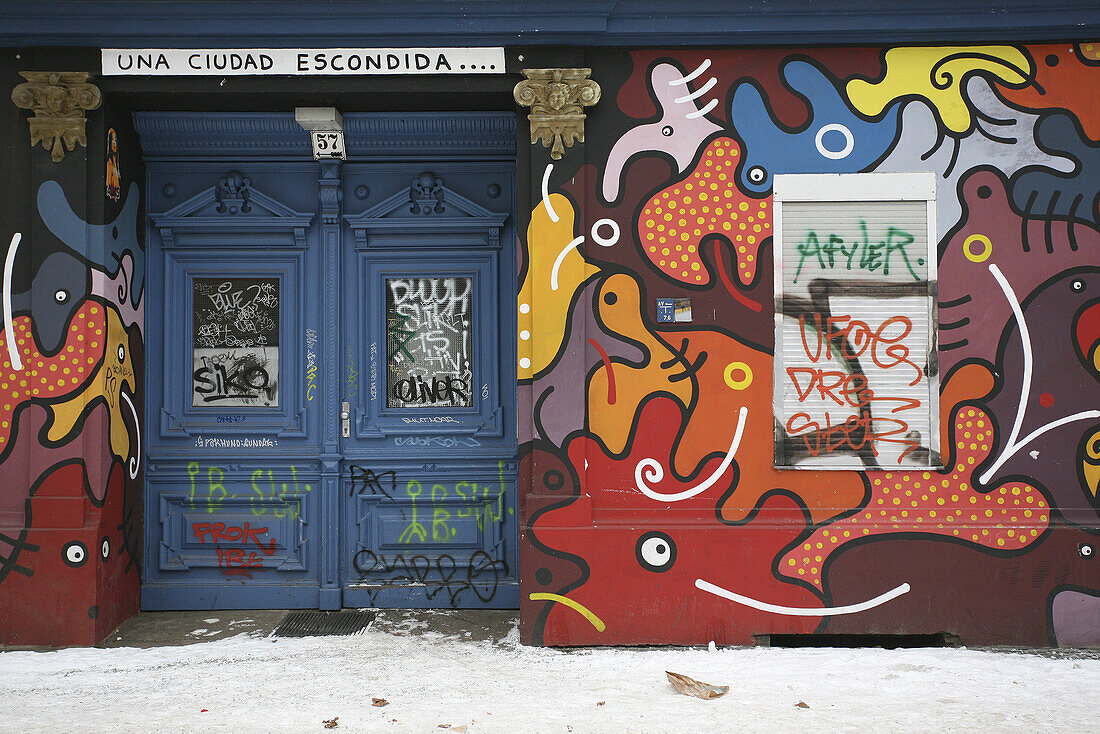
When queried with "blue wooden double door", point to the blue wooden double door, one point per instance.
{"points": [[330, 403]]}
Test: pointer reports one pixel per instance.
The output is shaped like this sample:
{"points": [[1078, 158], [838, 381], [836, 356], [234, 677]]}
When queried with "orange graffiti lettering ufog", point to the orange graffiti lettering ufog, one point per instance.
{"points": [[852, 338]]}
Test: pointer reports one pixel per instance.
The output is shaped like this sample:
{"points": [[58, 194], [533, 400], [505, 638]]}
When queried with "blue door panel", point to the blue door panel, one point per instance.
{"points": [[432, 536], [429, 517]]}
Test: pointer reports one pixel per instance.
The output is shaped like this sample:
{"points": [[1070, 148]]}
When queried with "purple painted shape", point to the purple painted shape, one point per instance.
{"points": [[29, 458], [562, 411], [1074, 616], [1053, 457], [674, 133], [973, 310]]}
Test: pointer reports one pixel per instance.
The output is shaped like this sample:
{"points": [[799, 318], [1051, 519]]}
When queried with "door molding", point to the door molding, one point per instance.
{"points": [[467, 224], [240, 135]]}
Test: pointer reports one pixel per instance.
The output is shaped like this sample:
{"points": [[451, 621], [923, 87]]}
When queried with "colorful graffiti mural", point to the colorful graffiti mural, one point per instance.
{"points": [[654, 512], [71, 360]]}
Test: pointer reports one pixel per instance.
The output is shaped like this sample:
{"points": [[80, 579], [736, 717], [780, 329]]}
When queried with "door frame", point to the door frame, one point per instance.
{"points": [[243, 140]]}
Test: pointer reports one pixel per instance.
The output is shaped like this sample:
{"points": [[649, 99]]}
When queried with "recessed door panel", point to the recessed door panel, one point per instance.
{"points": [[430, 448]]}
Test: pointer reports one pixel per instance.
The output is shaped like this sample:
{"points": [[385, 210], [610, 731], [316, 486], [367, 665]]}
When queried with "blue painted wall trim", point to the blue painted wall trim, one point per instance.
{"points": [[281, 23]]}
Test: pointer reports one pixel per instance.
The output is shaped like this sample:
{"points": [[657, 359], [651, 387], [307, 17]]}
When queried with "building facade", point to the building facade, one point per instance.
{"points": [[662, 322]]}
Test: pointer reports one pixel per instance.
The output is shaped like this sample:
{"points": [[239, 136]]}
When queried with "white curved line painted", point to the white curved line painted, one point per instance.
{"points": [[699, 113], [1010, 450], [697, 93], [650, 469], [9, 327], [693, 75], [1025, 386], [135, 461], [546, 193], [802, 611], [1013, 446], [558, 261]]}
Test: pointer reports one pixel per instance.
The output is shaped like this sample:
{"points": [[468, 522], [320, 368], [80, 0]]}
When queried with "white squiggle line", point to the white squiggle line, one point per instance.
{"points": [[1025, 386], [546, 192], [135, 461], [699, 113], [561, 257], [9, 265], [650, 469], [697, 93], [693, 75], [802, 611]]}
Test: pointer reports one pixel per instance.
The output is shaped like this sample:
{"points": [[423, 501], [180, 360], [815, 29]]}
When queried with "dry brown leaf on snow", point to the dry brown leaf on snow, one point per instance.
{"points": [[802, 705], [379, 702], [331, 723], [600, 703], [691, 687]]}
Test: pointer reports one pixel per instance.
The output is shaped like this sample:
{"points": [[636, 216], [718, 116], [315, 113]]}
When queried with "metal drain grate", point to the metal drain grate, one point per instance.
{"points": [[310, 624]]}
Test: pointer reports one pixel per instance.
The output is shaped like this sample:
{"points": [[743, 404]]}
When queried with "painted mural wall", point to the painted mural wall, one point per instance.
{"points": [[654, 513], [71, 362]]}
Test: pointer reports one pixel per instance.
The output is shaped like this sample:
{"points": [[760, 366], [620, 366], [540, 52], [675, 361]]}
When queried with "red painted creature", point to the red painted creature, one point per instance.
{"points": [[671, 570]]}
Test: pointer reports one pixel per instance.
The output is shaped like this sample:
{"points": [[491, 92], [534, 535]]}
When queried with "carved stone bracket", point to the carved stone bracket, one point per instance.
{"points": [[557, 98], [233, 194], [426, 194], [58, 100]]}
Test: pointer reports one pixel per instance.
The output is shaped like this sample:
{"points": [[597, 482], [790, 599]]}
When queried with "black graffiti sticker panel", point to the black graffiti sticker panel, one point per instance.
{"points": [[429, 342], [236, 342]]}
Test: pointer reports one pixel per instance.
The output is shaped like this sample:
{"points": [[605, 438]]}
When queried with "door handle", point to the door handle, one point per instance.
{"points": [[345, 419]]}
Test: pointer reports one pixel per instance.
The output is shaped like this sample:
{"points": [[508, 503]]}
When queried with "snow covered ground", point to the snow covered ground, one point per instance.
{"points": [[437, 683]]}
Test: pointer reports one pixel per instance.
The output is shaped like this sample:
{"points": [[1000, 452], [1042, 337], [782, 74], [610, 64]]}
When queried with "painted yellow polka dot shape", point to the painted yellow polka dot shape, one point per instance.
{"points": [[676, 220], [944, 503]]}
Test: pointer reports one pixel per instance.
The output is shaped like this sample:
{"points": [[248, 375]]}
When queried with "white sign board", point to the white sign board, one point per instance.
{"points": [[300, 61], [328, 144]]}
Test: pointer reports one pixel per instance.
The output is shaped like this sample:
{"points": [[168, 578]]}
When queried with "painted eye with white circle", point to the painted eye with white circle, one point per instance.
{"points": [[61, 296], [1078, 285], [666, 131], [1085, 550], [75, 554], [121, 353], [757, 175], [655, 551], [105, 548]]}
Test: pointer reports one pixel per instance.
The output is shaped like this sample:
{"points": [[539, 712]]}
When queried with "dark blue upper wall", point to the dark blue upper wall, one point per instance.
{"points": [[356, 23]]}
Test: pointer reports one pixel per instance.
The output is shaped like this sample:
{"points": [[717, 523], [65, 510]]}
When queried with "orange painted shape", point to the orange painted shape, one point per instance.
{"points": [[713, 376], [1063, 81], [620, 310]]}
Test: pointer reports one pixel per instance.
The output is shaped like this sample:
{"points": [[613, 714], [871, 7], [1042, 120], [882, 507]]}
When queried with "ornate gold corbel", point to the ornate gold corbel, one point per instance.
{"points": [[58, 100], [557, 98]]}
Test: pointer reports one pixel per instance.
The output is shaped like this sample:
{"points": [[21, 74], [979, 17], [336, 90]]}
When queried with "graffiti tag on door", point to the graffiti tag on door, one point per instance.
{"points": [[429, 342], [236, 342]]}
